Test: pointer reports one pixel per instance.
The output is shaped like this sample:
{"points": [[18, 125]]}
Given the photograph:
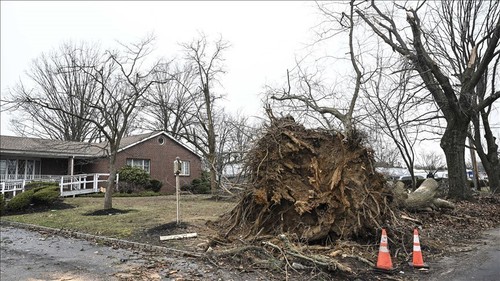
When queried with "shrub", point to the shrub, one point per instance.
{"points": [[133, 179], [154, 185], [37, 185], [199, 186], [20, 202], [40, 194], [134, 175], [2, 204], [46, 196]]}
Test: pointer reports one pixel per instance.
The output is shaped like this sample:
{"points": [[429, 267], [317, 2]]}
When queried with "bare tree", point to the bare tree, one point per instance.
{"points": [[488, 153], [395, 106], [206, 60], [234, 137], [57, 80], [314, 96], [431, 162], [121, 85], [451, 51], [171, 104]]}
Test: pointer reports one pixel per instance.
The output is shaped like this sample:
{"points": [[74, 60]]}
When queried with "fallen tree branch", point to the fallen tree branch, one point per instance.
{"points": [[325, 263]]}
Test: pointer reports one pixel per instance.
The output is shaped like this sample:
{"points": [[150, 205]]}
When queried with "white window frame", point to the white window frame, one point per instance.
{"points": [[140, 163], [185, 168]]}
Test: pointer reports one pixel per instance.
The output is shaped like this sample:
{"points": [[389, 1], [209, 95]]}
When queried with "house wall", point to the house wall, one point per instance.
{"points": [[161, 156]]}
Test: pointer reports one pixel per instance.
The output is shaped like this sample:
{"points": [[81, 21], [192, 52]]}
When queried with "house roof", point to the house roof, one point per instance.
{"points": [[24, 146], [34, 147], [130, 141]]}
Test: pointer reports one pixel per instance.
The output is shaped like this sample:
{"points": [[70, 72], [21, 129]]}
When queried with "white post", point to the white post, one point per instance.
{"points": [[95, 184], [71, 165], [61, 185], [177, 168], [3, 187]]}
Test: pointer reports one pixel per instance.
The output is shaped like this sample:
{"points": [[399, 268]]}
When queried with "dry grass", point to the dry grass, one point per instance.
{"points": [[139, 213]]}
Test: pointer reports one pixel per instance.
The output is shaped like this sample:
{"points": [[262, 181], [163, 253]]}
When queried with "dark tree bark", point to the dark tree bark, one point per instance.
{"points": [[450, 65]]}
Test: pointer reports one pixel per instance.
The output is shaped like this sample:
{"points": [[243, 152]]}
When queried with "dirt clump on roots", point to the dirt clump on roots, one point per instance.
{"points": [[311, 184]]}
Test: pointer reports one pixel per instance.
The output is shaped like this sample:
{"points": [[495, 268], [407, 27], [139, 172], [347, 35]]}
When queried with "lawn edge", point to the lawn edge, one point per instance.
{"points": [[108, 241]]}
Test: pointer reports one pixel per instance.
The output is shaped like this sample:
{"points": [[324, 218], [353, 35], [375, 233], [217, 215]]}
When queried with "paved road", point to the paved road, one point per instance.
{"points": [[480, 264], [32, 255], [28, 255], [35, 255]]}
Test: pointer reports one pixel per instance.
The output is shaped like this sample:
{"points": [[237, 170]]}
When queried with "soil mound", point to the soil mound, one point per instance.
{"points": [[310, 183]]}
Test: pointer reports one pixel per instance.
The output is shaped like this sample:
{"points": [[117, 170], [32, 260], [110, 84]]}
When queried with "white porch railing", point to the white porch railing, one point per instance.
{"points": [[69, 185], [83, 184], [12, 187]]}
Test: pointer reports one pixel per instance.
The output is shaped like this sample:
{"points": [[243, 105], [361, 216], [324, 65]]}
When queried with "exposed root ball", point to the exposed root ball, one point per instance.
{"points": [[312, 184]]}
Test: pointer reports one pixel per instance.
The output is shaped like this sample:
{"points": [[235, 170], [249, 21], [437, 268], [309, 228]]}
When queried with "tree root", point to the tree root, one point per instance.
{"points": [[325, 263]]}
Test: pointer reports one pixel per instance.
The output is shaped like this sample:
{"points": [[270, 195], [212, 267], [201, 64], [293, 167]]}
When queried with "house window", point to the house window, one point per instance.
{"points": [[11, 169], [185, 168], [144, 164], [3, 169]]}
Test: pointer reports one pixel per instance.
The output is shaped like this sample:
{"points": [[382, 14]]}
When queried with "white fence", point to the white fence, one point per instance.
{"points": [[11, 188], [83, 184], [69, 185]]}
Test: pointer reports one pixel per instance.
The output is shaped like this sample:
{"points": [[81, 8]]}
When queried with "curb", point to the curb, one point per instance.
{"points": [[124, 244]]}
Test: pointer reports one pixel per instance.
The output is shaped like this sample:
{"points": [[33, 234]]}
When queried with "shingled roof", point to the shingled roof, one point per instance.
{"points": [[48, 148], [24, 146]]}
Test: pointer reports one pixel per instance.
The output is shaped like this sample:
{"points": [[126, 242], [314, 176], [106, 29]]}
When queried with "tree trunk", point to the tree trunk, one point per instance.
{"points": [[494, 179], [490, 158], [492, 168], [423, 198], [213, 175], [108, 204], [453, 145]]}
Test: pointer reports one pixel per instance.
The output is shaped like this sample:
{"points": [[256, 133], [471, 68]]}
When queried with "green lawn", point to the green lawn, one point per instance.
{"points": [[140, 213]]}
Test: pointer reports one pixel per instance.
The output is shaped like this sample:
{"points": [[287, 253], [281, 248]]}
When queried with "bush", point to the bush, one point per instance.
{"points": [[199, 186], [46, 196], [133, 179], [2, 204], [134, 175], [37, 185], [20, 202], [154, 185], [40, 194]]}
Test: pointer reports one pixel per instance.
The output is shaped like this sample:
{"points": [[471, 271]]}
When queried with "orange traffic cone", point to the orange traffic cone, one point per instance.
{"points": [[384, 261], [418, 259]]}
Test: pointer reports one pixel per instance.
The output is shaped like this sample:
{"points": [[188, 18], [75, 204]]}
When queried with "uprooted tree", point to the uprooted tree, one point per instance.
{"points": [[311, 183], [318, 186]]}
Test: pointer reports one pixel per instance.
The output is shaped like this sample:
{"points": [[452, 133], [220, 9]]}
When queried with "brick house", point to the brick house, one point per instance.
{"points": [[155, 152]]}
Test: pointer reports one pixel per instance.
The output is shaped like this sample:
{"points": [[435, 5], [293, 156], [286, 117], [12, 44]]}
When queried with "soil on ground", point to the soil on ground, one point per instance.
{"points": [[315, 208]]}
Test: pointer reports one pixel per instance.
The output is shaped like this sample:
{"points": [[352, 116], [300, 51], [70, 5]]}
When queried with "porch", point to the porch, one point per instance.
{"points": [[69, 185]]}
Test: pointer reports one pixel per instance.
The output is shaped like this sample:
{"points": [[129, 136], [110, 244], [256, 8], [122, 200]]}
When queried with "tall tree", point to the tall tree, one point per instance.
{"points": [[170, 104], [316, 97], [56, 79], [399, 108], [234, 134], [451, 50], [206, 60], [121, 84]]}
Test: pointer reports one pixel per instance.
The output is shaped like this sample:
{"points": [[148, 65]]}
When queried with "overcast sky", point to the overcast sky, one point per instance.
{"points": [[265, 36]]}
